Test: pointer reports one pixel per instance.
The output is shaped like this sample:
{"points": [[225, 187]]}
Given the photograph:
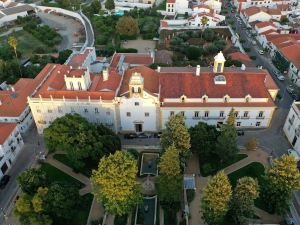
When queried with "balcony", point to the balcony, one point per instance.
{"points": [[260, 117]]}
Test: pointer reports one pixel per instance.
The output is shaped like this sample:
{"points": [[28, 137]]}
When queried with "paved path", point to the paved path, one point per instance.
{"points": [[11, 30]]}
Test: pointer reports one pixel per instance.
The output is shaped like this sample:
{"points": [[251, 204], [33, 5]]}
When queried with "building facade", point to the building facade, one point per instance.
{"points": [[291, 126], [142, 99], [11, 143]]}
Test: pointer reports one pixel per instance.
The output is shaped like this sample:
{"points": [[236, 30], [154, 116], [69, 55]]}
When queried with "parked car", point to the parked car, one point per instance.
{"points": [[293, 153], [296, 97], [259, 67], [261, 52], [142, 135], [290, 89], [280, 77], [130, 136], [240, 132], [4, 180]]}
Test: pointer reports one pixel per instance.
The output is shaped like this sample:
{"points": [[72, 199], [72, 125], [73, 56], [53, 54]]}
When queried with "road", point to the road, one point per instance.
{"points": [[33, 144], [89, 31]]}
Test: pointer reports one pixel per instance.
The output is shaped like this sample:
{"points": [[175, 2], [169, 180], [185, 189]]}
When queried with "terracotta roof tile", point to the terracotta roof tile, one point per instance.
{"points": [[264, 24], [132, 58], [292, 53], [5, 130], [79, 58]]}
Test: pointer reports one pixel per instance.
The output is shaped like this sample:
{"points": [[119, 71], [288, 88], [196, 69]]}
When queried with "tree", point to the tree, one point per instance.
{"points": [[80, 139], [242, 204], [12, 41], [114, 183], [231, 117], [31, 179], [280, 182], [216, 198], [203, 141], [169, 164], [251, 144], [176, 134], [60, 198], [226, 146], [38, 199], [110, 4], [204, 21], [127, 26], [23, 204], [63, 56], [193, 52]]}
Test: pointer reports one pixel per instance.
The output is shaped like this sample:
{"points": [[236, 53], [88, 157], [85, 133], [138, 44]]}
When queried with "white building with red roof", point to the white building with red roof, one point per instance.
{"points": [[141, 99], [244, 4], [11, 144]]}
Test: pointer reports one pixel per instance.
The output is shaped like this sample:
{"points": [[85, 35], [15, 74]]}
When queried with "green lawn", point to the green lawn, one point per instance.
{"points": [[87, 170], [82, 210], [255, 170], [216, 167], [27, 44], [56, 175]]}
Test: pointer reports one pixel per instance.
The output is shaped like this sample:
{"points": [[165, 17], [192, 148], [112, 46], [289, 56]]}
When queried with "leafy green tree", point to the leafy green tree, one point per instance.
{"points": [[169, 164], [127, 26], [280, 182], [23, 204], [13, 42], [31, 179], [80, 139], [176, 134], [203, 141], [226, 146], [60, 198], [242, 203], [215, 199], [63, 56], [114, 183], [38, 199], [110, 4]]}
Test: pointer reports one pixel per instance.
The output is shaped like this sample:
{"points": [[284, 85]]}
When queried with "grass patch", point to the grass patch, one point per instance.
{"points": [[216, 167], [56, 175], [28, 44], [86, 170], [255, 170], [121, 220], [82, 210]]}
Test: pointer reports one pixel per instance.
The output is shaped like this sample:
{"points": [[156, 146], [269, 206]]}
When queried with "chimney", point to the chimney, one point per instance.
{"points": [[243, 67], [198, 70], [158, 69], [0, 102], [105, 74], [12, 89]]}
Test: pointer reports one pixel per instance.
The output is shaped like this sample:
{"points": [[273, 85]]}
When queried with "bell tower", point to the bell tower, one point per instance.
{"points": [[136, 85], [219, 63]]}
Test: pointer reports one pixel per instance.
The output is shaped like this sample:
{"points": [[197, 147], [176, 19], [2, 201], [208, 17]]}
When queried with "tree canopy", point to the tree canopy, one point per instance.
{"points": [[127, 26], [280, 181], [109, 4], [176, 134], [114, 183], [169, 164], [31, 179], [80, 139], [215, 199]]}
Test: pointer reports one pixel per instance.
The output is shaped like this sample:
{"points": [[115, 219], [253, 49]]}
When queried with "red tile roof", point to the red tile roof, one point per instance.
{"points": [[14, 100], [244, 58], [264, 24], [171, 1], [55, 85], [219, 104], [292, 54], [132, 58], [5, 130], [79, 58]]}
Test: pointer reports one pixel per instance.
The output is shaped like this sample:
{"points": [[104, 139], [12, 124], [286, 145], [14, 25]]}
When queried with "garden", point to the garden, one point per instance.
{"points": [[196, 47]]}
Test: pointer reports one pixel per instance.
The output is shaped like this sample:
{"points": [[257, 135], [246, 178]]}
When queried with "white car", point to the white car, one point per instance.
{"points": [[261, 52], [280, 77], [294, 153]]}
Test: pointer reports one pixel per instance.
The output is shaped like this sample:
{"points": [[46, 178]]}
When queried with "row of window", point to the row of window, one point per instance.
{"points": [[128, 114], [252, 3], [257, 124], [59, 109], [205, 98], [221, 114], [72, 86]]}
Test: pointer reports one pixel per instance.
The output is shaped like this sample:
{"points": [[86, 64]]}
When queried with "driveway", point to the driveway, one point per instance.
{"points": [[65, 26]]}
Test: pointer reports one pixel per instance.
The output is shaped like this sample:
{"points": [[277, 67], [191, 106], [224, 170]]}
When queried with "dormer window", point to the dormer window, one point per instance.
{"points": [[220, 79], [248, 98], [183, 98], [205, 98], [226, 98]]}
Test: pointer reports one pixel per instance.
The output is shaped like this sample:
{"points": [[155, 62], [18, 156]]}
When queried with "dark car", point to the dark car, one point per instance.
{"points": [[143, 135], [130, 136], [240, 132], [296, 97], [4, 180]]}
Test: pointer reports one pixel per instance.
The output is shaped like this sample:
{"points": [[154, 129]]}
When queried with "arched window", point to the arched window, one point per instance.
{"points": [[132, 90], [139, 90], [71, 85], [79, 86]]}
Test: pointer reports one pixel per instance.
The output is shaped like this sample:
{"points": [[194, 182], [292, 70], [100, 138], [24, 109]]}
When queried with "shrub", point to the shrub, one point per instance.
{"points": [[193, 52], [134, 153], [247, 49], [207, 168], [127, 50], [120, 220]]}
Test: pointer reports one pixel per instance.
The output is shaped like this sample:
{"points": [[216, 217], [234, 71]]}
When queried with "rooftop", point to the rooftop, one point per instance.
{"points": [[6, 130], [132, 58], [17, 9], [78, 59], [292, 54]]}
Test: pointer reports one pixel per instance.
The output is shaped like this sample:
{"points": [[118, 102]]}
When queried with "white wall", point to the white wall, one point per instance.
{"points": [[9, 18], [14, 141]]}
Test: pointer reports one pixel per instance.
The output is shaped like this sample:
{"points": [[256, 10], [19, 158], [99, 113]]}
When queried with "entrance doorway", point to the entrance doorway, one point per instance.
{"points": [[294, 140], [138, 127]]}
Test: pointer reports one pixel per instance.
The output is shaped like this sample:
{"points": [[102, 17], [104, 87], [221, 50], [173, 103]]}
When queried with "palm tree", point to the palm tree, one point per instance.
{"points": [[204, 21], [12, 41]]}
